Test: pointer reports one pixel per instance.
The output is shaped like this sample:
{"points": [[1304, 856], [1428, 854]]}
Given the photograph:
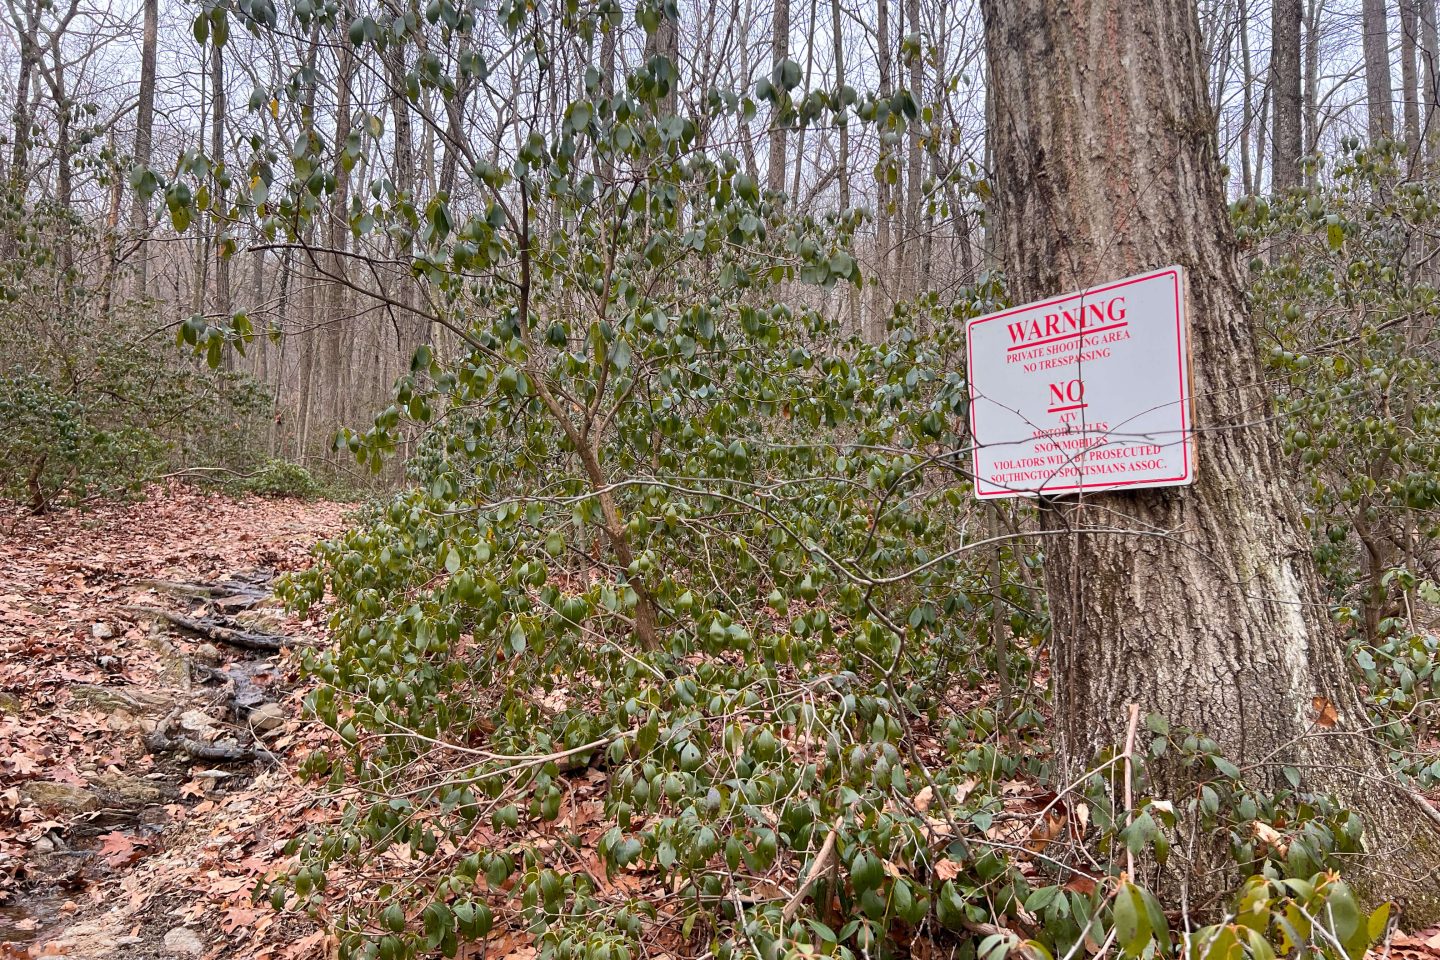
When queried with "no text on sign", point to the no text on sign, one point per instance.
{"points": [[1088, 391]]}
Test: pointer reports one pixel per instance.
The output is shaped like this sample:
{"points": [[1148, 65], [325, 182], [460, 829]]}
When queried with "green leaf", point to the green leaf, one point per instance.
{"points": [[1131, 920], [620, 355], [1225, 767], [439, 920]]}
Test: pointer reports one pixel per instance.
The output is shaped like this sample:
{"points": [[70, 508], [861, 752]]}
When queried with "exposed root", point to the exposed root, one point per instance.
{"points": [[220, 630]]}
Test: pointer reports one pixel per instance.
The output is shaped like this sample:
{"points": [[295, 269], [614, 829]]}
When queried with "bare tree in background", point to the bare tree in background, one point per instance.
{"points": [[144, 138], [217, 161], [1287, 139], [1430, 61], [875, 318], [1312, 74], [914, 175], [1376, 34], [779, 52], [1410, 75]]}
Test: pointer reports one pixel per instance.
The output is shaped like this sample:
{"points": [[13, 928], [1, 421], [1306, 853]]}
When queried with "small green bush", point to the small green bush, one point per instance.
{"points": [[282, 479], [53, 449]]}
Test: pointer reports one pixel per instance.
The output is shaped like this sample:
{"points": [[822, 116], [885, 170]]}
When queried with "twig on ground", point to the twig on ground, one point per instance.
{"points": [[160, 741]]}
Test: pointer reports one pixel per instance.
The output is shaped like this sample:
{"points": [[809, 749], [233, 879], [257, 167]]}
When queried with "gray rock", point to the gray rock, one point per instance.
{"points": [[209, 653], [102, 631], [126, 791], [9, 703], [267, 717], [198, 722], [60, 797], [183, 942], [260, 621], [118, 699]]}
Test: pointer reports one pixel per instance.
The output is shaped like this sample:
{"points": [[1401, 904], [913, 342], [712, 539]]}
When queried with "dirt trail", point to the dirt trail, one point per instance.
{"points": [[115, 840]]}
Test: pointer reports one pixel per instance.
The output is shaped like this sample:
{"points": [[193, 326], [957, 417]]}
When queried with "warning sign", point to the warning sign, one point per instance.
{"points": [[1085, 392]]}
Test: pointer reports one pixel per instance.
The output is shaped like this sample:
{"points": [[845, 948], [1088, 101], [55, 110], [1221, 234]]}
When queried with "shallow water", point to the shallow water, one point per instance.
{"points": [[24, 921]]}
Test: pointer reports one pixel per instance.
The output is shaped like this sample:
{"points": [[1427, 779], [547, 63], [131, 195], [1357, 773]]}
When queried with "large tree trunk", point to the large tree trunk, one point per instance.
{"points": [[665, 42], [1200, 603], [1376, 45], [1286, 141]]}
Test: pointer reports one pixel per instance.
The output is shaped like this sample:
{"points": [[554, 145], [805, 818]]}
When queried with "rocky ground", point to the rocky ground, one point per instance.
{"points": [[145, 791]]}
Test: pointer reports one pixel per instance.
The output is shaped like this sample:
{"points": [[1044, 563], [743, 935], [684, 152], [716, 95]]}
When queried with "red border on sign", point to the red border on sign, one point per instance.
{"points": [[1180, 343]]}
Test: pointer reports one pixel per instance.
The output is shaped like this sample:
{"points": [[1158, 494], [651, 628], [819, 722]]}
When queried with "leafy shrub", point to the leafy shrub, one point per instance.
{"points": [[94, 405], [1354, 344], [281, 478], [679, 547]]}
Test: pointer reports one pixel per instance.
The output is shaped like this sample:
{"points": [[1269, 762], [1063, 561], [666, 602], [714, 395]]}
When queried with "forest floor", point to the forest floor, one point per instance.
{"points": [[114, 843]]}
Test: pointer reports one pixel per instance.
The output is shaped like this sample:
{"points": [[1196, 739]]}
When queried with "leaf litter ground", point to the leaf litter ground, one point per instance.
{"points": [[107, 849]]}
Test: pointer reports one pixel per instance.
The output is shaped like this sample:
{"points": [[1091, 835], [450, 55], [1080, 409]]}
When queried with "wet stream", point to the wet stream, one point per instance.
{"points": [[30, 916]]}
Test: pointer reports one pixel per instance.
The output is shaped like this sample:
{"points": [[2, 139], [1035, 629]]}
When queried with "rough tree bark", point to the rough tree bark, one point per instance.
{"points": [[1207, 609], [1376, 44], [779, 52], [1286, 141], [665, 42], [1409, 76], [1312, 75]]}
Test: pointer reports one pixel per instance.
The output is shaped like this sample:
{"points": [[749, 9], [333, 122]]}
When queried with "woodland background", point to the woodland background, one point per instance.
{"points": [[95, 270]]}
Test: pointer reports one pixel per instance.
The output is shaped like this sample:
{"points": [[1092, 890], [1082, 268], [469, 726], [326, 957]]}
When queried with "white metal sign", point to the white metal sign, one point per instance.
{"points": [[1085, 392]]}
